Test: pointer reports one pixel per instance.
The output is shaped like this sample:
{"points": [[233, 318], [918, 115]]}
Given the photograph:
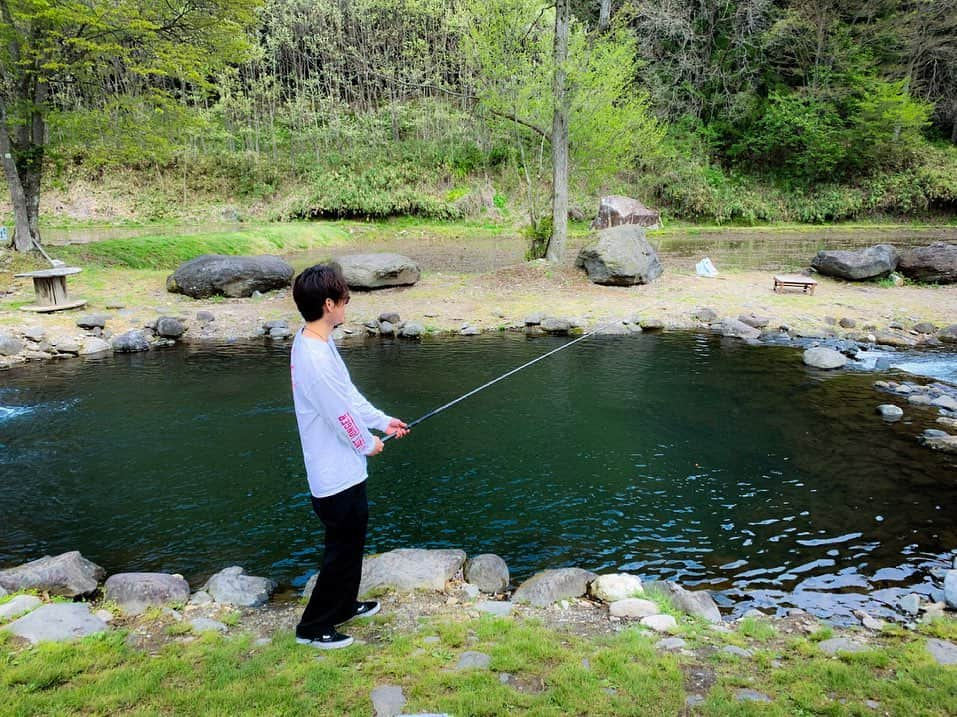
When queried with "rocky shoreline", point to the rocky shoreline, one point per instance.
{"points": [[480, 584]]}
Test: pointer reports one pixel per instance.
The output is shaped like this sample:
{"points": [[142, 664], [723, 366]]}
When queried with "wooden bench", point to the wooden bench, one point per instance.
{"points": [[793, 281], [50, 288]]}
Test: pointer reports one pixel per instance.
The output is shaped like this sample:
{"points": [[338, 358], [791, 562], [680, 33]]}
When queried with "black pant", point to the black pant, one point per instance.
{"points": [[345, 516]]}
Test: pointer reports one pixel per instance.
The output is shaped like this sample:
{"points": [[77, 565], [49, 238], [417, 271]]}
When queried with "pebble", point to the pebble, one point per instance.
{"points": [[671, 643], [205, 624], [387, 700], [749, 695], [472, 660], [659, 623]]}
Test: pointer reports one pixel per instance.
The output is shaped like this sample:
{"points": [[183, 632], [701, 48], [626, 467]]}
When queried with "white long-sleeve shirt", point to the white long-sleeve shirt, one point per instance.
{"points": [[334, 418]]}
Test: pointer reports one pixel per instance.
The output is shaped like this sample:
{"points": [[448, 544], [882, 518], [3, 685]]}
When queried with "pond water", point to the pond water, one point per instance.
{"points": [[677, 456]]}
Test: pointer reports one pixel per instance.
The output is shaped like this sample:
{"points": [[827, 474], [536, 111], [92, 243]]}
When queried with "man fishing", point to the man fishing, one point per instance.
{"points": [[334, 428]]}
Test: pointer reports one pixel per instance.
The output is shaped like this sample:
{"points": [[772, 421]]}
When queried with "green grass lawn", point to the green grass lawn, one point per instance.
{"points": [[548, 673]]}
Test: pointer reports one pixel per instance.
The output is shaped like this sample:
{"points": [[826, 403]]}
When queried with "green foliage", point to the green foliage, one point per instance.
{"points": [[509, 46], [538, 234]]}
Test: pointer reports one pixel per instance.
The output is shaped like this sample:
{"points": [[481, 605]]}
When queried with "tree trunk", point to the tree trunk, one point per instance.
{"points": [[556, 246], [604, 15], [22, 236]]}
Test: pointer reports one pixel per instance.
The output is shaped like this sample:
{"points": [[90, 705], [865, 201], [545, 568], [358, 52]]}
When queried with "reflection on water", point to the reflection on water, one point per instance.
{"points": [[677, 456]]}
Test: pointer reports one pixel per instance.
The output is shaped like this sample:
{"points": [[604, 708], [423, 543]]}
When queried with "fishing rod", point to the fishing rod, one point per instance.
{"points": [[496, 380]]}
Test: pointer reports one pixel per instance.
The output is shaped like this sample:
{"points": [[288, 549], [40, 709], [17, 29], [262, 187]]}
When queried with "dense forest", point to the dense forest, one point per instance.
{"points": [[759, 110]]}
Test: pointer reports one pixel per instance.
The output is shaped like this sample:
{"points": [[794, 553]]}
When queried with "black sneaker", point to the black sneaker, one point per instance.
{"points": [[365, 609], [327, 640]]}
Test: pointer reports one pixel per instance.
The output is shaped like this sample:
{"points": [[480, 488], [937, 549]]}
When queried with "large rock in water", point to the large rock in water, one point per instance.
{"points": [[378, 271], [233, 276], [134, 592], [549, 586], [621, 257], [823, 357], [867, 263], [616, 210], [69, 575], [935, 263]]}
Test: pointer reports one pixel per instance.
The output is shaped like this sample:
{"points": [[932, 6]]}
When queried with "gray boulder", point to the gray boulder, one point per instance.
{"points": [[755, 321], [866, 263], [67, 345], [233, 276], [134, 592], [232, 586], [10, 345], [633, 607], [56, 622], [411, 330], [410, 569], [92, 321], [950, 588], [378, 271], [93, 345], [488, 572], [621, 257], [890, 412], [734, 328], [693, 602], [938, 441], [704, 315], [169, 328], [936, 263], [615, 210], [554, 325], [925, 327], [130, 342], [18, 605], [824, 358], [614, 587], [68, 574], [34, 333], [391, 316], [949, 334], [550, 586]]}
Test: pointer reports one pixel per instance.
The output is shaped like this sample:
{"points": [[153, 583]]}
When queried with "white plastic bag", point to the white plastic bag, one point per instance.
{"points": [[706, 268]]}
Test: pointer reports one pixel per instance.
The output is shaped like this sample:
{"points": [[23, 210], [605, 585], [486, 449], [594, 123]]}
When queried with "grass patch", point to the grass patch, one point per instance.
{"points": [[167, 252], [535, 670]]}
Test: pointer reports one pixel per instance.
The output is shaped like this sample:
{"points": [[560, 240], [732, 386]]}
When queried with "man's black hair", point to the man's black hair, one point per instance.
{"points": [[316, 284]]}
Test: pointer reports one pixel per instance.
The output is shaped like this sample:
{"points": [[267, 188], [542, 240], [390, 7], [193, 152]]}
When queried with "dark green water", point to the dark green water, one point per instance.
{"points": [[677, 456]]}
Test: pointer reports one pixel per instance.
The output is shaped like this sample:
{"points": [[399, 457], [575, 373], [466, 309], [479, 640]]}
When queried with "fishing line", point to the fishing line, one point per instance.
{"points": [[500, 378]]}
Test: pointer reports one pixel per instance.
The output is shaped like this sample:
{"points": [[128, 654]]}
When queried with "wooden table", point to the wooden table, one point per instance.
{"points": [[794, 281], [50, 288]]}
